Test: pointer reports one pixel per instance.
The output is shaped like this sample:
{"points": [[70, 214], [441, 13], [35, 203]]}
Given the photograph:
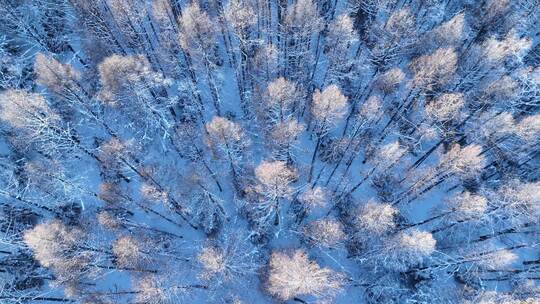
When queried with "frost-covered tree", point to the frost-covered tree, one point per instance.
{"points": [[198, 39], [393, 37], [228, 140], [130, 85], [207, 207], [324, 233], [63, 250], [274, 179], [233, 259], [170, 151], [282, 102], [390, 80], [38, 123], [374, 220], [309, 201], [384, 158], [435, 69], [300, 24], [341, 39], [265, 64], [293, 274], [242, 17], [407, 249], [59, 78], [462, 163], [284, 138], [327, 109], [446, 107]]}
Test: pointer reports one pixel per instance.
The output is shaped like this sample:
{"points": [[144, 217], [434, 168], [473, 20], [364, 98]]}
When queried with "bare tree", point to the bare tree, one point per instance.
{"points": [[39, 124], [301, 22], [324, 233], [130, 84], [283, 101], [328, 108], [374, 220], [230, 260], [341, 38], [229, 141], [198, 39], [446, 107], [274, 180], [293, 274], [390, 80], [284, 138], [435, 69], [242, 16], [131, 252], [310, 200], [62, 249], [407, 249]]}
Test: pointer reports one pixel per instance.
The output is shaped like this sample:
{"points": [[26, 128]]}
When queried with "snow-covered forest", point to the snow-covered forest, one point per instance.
{"points": [[270, 151]]}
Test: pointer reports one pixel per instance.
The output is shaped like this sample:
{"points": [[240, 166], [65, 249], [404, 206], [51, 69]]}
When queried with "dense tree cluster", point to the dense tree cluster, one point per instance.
{"points": [[249, 151]]}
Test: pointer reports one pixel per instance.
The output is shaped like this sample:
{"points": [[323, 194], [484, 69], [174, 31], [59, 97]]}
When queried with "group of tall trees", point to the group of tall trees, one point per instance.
{"points": [[246, 151]]}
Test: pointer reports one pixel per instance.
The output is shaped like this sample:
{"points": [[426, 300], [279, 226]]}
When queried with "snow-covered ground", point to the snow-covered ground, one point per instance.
{"points": [[164, 151]]}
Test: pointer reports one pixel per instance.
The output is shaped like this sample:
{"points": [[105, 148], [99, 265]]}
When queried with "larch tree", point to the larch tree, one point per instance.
{"points": [[446, 107], [247, 151], [130, 85], [374, 220], [392, 38], [324, 233], [198, 39], [467, 205], [461, 215], [282, 101], [383, 159], [389, 81], [340, 40], [127, 251], [435, 69], [273, 184], [407, 249], [229, 140], [38, 122], [328, 108], [368, 115], [265, 63], [242, 16], [463, 163], [65, 83], [293, 274], [229, 260], [206, 205], [60, 78], [274, 179], [62, 249], [301, 23], [310, 200], [165, 28], [284, 138]]}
